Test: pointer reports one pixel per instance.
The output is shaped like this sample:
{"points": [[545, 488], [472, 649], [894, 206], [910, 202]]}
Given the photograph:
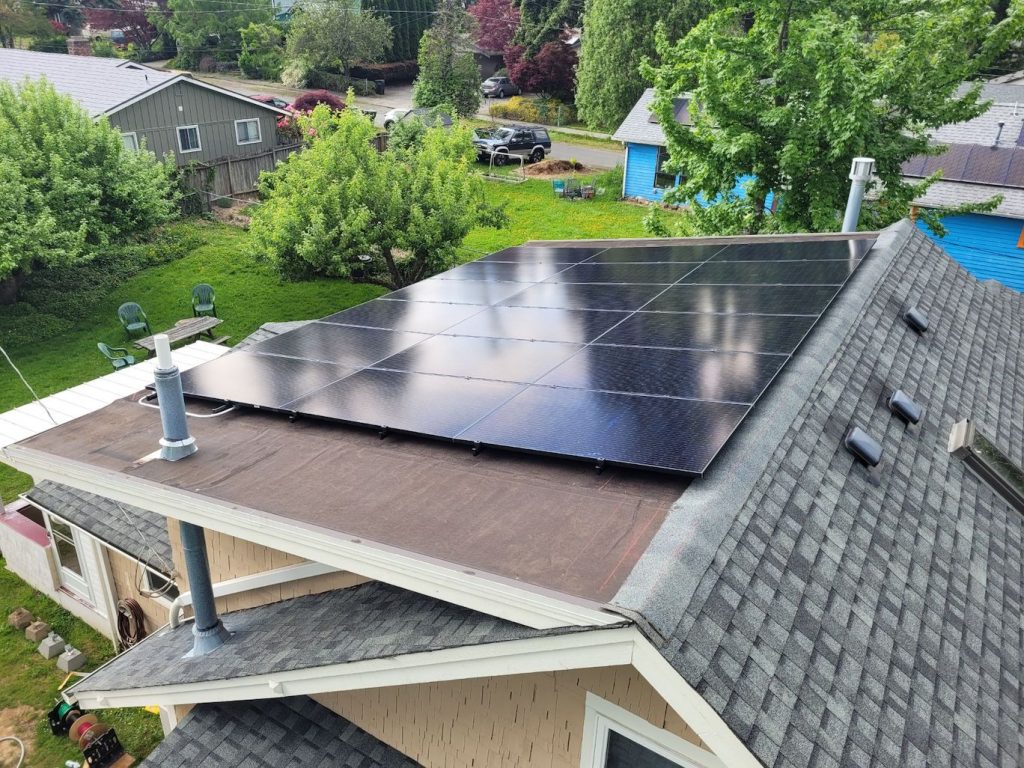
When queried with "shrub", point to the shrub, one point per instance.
{"points": [[262, 54], [104, 49], [310, 99], [295, 74], [516, 108], [395, 71]]}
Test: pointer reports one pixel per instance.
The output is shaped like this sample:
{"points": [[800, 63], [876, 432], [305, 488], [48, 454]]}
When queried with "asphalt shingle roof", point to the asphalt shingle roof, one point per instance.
{"points": [[638, 128], [295, 732], [370, 621], [834, 616], [98, 84], [136, 532]]}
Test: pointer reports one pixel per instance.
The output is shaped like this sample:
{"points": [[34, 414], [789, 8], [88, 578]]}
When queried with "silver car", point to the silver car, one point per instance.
{"points": [[499, 86]]}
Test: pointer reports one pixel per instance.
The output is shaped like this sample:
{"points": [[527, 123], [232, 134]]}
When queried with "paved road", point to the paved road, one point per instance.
{"points": [[400, 96]]}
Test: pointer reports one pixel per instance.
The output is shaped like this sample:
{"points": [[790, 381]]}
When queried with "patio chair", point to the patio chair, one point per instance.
{"points": [[573, 189], [558, 185], [204, 301], [133, 319], [118, 356]]}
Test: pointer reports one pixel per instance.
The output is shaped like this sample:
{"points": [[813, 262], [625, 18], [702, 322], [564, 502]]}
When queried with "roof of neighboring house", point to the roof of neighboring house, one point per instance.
{"points": [[294, 731], [947, 194], [101, 85], [641, 126], [836, 616], [138, 533], [369, 621]]}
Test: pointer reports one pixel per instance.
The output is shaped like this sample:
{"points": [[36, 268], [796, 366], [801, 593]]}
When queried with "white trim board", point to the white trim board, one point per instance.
{"points": [[623, 646], [533, 607]]}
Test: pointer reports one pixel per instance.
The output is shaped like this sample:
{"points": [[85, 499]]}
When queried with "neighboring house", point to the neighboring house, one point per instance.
{"points": [[169, 114], [788, 608], [985, 158]]}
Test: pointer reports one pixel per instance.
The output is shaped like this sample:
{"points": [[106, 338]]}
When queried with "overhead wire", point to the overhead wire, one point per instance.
{"points": [[28, 386]]}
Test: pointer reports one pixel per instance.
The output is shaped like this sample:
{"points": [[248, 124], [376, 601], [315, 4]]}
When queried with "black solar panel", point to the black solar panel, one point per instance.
{"points": [[642, 356]]}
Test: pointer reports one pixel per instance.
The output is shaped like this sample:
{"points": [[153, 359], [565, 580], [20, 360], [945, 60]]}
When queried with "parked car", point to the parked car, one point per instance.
{"points": [[521, 140], [392, 116], [500, 87], [274, 101]]}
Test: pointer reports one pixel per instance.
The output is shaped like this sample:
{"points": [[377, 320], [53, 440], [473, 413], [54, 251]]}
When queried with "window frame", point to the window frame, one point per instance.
{"points": [[602, 717], [78, 584], [661, 158], [963, 445], [259, 131], [199, 140], [135, 140]]}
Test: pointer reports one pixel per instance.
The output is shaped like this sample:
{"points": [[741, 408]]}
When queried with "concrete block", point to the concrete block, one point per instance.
{"points": [[52, 646], [36, 631], [71, 659], [19, 618]]}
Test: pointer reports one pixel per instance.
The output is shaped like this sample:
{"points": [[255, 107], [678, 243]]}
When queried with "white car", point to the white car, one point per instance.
{"points": [[392, 116]]}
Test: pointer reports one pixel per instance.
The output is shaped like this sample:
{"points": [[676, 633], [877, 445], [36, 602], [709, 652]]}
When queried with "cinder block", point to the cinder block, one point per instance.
{"points": [[52, 645], [71, 659], [36, 631], [19, 618]]}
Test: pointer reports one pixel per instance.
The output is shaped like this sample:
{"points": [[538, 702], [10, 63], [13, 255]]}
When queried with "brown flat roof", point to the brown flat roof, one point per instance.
{"points": [[547, 522]]}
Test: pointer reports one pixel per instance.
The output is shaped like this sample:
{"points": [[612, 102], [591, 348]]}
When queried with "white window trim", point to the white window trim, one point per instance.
{"points": [[78, 584], [259, 131], [135, 140], [199, 139], [603, 716]]}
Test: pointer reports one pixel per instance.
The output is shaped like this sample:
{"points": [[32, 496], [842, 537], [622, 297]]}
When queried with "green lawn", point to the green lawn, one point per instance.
{"points": [[30, 680]]}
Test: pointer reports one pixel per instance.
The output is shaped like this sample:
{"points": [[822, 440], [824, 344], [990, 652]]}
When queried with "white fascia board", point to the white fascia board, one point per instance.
{"points": [[535, 608], [597, 648], [193, 81]]}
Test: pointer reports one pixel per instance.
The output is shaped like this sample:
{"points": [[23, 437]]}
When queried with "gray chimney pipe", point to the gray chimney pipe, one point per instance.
{"points": [[860, 174], [176, 443]]}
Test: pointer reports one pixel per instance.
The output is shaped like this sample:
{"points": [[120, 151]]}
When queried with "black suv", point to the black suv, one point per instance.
{"points": [[523, 141]]}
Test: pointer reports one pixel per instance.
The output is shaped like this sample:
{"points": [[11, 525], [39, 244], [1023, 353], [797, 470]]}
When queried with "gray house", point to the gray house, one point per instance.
{"points": [[166, 112]]}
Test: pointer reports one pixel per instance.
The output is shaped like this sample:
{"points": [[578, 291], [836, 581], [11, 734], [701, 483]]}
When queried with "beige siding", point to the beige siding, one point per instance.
{"points": [[126, 574], [231, 557], [515, 721], [157, 118]]}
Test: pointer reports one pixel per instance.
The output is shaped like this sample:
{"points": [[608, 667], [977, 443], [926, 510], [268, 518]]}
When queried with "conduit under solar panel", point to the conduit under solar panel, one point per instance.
{"points": [[643, 355]]}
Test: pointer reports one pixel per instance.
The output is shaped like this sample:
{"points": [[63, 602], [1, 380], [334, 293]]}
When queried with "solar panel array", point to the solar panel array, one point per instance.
{"points": [[645, 356], [996, 166]]}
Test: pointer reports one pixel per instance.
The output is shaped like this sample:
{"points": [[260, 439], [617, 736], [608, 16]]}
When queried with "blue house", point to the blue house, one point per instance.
{"points": [[985, 157], [644, 176]]}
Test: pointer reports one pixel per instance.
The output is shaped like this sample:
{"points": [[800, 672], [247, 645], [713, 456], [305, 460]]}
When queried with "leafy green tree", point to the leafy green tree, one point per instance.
{"points": [[619, 36], [209, 27], [541, 21], [20, 18], [332, 35], [70, 187], [409, 19], [449, 74], [343, 209], [262, 54], [789, 92]]}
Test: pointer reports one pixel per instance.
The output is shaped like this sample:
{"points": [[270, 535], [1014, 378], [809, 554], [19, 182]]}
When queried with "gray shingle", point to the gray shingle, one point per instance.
{"points": [[638, 128], [296, 732]]}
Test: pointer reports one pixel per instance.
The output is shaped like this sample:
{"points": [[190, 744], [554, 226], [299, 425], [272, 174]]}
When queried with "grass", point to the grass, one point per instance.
{"points": [[29, 679]]}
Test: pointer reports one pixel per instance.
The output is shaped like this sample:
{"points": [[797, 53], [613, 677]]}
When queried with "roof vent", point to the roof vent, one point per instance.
{"points": [[999, 134], [916, 319], [905, 407], [863, 446]]}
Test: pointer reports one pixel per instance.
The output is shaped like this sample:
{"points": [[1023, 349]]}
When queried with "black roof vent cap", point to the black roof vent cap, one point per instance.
{"points": [[905, 407], [863, 446], [916, 319]]}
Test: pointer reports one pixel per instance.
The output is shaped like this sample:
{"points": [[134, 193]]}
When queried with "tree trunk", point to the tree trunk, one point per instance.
{"points": [[396, 276], [10, 286]]}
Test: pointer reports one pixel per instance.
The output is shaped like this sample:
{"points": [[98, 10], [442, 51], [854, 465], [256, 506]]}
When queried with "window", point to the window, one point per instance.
{"points": [[247, 131], [161, 585], [988, 462], [616, 738], [67, 550], [131, 141], [662, 178], [188, 138]]}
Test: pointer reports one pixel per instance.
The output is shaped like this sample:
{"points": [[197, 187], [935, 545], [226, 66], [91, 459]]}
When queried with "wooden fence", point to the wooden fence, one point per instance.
{"points": [[231, 176]]}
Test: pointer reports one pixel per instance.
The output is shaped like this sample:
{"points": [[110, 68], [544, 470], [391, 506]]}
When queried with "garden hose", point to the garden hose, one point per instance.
{"points": [[20, 744], [131, 626]]}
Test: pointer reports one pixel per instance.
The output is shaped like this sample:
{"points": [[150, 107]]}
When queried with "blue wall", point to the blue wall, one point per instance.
{"points": [[986, 246]]}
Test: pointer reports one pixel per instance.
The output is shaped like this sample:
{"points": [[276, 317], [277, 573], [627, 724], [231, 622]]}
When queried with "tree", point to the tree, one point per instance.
{"points": [[449, 74], [542, 21], [131, 17], [409, 19], [552, 72], [209, 27], [496, 23], [262, 54], [70, 187], [341, 208], [20, 18], [333, 35], [788, 93], [619, 36]]}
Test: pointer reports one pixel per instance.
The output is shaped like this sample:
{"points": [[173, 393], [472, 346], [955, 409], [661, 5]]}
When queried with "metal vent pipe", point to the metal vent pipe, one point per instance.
{"points": [[860, 174]]}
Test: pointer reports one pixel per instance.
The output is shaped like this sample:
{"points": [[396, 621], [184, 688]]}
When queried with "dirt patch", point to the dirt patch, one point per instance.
{"points": [[20, 722], [235, 214], [551, 168]]}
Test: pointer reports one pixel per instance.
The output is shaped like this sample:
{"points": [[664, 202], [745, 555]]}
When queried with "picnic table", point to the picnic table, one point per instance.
{"points": [[183, 329]]}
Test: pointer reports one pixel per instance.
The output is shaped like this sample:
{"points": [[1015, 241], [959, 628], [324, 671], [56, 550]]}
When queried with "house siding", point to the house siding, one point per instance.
{"points": [[513, 721], [986, 246], [641, 162], [157, 117], [125, 575]]}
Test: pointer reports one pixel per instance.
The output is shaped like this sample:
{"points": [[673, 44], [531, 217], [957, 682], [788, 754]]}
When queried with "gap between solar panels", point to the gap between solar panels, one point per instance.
{"points": [[642, 356]]}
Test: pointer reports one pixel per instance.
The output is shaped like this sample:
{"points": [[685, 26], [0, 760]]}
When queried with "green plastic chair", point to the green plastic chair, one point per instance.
{"points": [[558, 185], [133, 319], [118, 356], [204, 301]]}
